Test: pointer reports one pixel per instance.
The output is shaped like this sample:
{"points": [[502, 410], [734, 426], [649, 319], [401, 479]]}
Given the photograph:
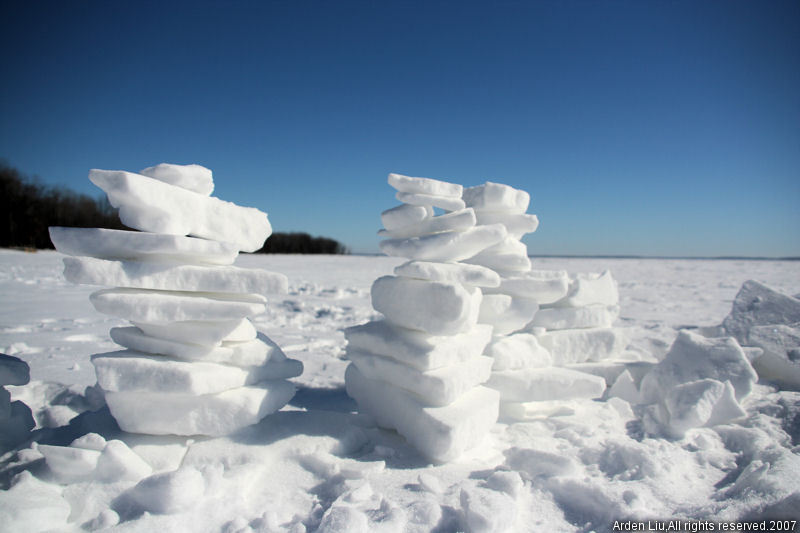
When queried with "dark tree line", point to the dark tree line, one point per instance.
{"points": [[28, 208]]}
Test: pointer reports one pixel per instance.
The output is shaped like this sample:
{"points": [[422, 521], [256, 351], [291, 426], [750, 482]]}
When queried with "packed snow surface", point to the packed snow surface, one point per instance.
{"points": [[705, 450]]}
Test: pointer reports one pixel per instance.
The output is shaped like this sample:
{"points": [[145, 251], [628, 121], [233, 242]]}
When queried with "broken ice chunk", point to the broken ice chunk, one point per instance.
{"points": [[553, 383], [416, 348], [521, 350], [448, 203], [455, 221], [569, 346], [146, 275], [474, 275], [189, 414], [497, 197], [590, 288], [544, 286], [505, 313], [439, 433], [590, 316], [191, 177], [516, 225], [435, 307], [143, 305], [150, 205], [704, 402], [757, 305], [780, 361], [445, 247], [424, 186]]}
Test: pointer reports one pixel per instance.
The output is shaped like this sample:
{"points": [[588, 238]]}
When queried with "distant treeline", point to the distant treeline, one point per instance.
{"points": [[28, 208]]}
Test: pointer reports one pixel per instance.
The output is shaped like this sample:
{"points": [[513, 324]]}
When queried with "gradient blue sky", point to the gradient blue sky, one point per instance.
{"points": [[638, 127]]}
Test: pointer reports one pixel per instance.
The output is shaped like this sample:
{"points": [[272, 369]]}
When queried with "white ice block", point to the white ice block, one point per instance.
{"points": [[693, 357], [591, 316], [247, 353], [202, 332], [497, 197], [434, 388], [474, 275], [431, 306], [544, 286], [590, 289], [569, 346], [756, 305], [521, 350], [455, 221], [505, 313], [404, 215], [415, 348], [129, 371], [704, 402], [424, 186], [120, 463], [136, 245], [150, 205], [191, 177], [147, 275], [780, 361], [504, 262], [70, 465], [445, 247], [448, 203], [189, 414], [439, 433], [517, 225], [538, 384], [143, 305]]}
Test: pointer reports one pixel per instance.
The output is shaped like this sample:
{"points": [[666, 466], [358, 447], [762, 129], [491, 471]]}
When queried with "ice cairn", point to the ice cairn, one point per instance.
{"points": [[419, 370], [193, 363]]}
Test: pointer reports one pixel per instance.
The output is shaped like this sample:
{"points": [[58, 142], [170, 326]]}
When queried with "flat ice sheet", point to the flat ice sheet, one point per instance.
{"points": [[145, 275], [151, 205], [141, 305], [424, 186], [141, 246]]}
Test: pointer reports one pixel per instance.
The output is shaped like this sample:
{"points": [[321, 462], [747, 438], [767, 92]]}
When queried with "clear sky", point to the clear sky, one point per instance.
{"points": [[639, 127]]}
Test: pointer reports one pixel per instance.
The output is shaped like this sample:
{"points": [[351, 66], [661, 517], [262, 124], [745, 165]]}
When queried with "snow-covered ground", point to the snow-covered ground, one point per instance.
{"points": [[317, 465]]}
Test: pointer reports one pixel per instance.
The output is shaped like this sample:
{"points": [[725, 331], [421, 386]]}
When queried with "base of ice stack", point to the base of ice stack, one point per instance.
{"points": [[193, 364]]}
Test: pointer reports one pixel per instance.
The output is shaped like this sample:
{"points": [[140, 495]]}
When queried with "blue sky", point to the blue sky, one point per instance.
{"points": [[638, 127]]}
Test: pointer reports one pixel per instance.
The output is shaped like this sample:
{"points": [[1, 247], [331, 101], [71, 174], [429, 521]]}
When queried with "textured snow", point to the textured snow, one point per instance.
{"points": [[571, 465]]}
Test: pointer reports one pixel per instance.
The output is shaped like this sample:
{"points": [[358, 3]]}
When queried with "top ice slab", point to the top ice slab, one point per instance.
{"points": [[151, 205], [496, 197], [190, 177], [119, 244], [424, 186]]}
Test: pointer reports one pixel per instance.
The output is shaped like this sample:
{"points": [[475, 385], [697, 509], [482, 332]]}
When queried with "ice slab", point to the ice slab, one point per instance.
{"points": [[521, 350], [474, 275], [591, 316], [424, 186], [448, 203], [68, 464], [625, 388], [434, 307], [497, 197], [404, 215], [516, 225], [590, 289], [13, 370], [120, 463], [146, 275], [202, 332], [445, 247], [455, 221], [569, 346], [544, 286], [415, 348], [780, 361], [129, 371], [191, 177], [189, 414], [505, 313], [693, 357], [247, 353], [510, 262], [143, 305], [705, 402], [150, 205], [757, 305], [439, 433], [538, 384], [135, 245], [434, 388]]}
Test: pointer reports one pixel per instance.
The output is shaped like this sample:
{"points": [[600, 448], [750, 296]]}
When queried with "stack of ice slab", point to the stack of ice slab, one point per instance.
{"points": [[194, 364], [528, 366], [419, 370]]}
